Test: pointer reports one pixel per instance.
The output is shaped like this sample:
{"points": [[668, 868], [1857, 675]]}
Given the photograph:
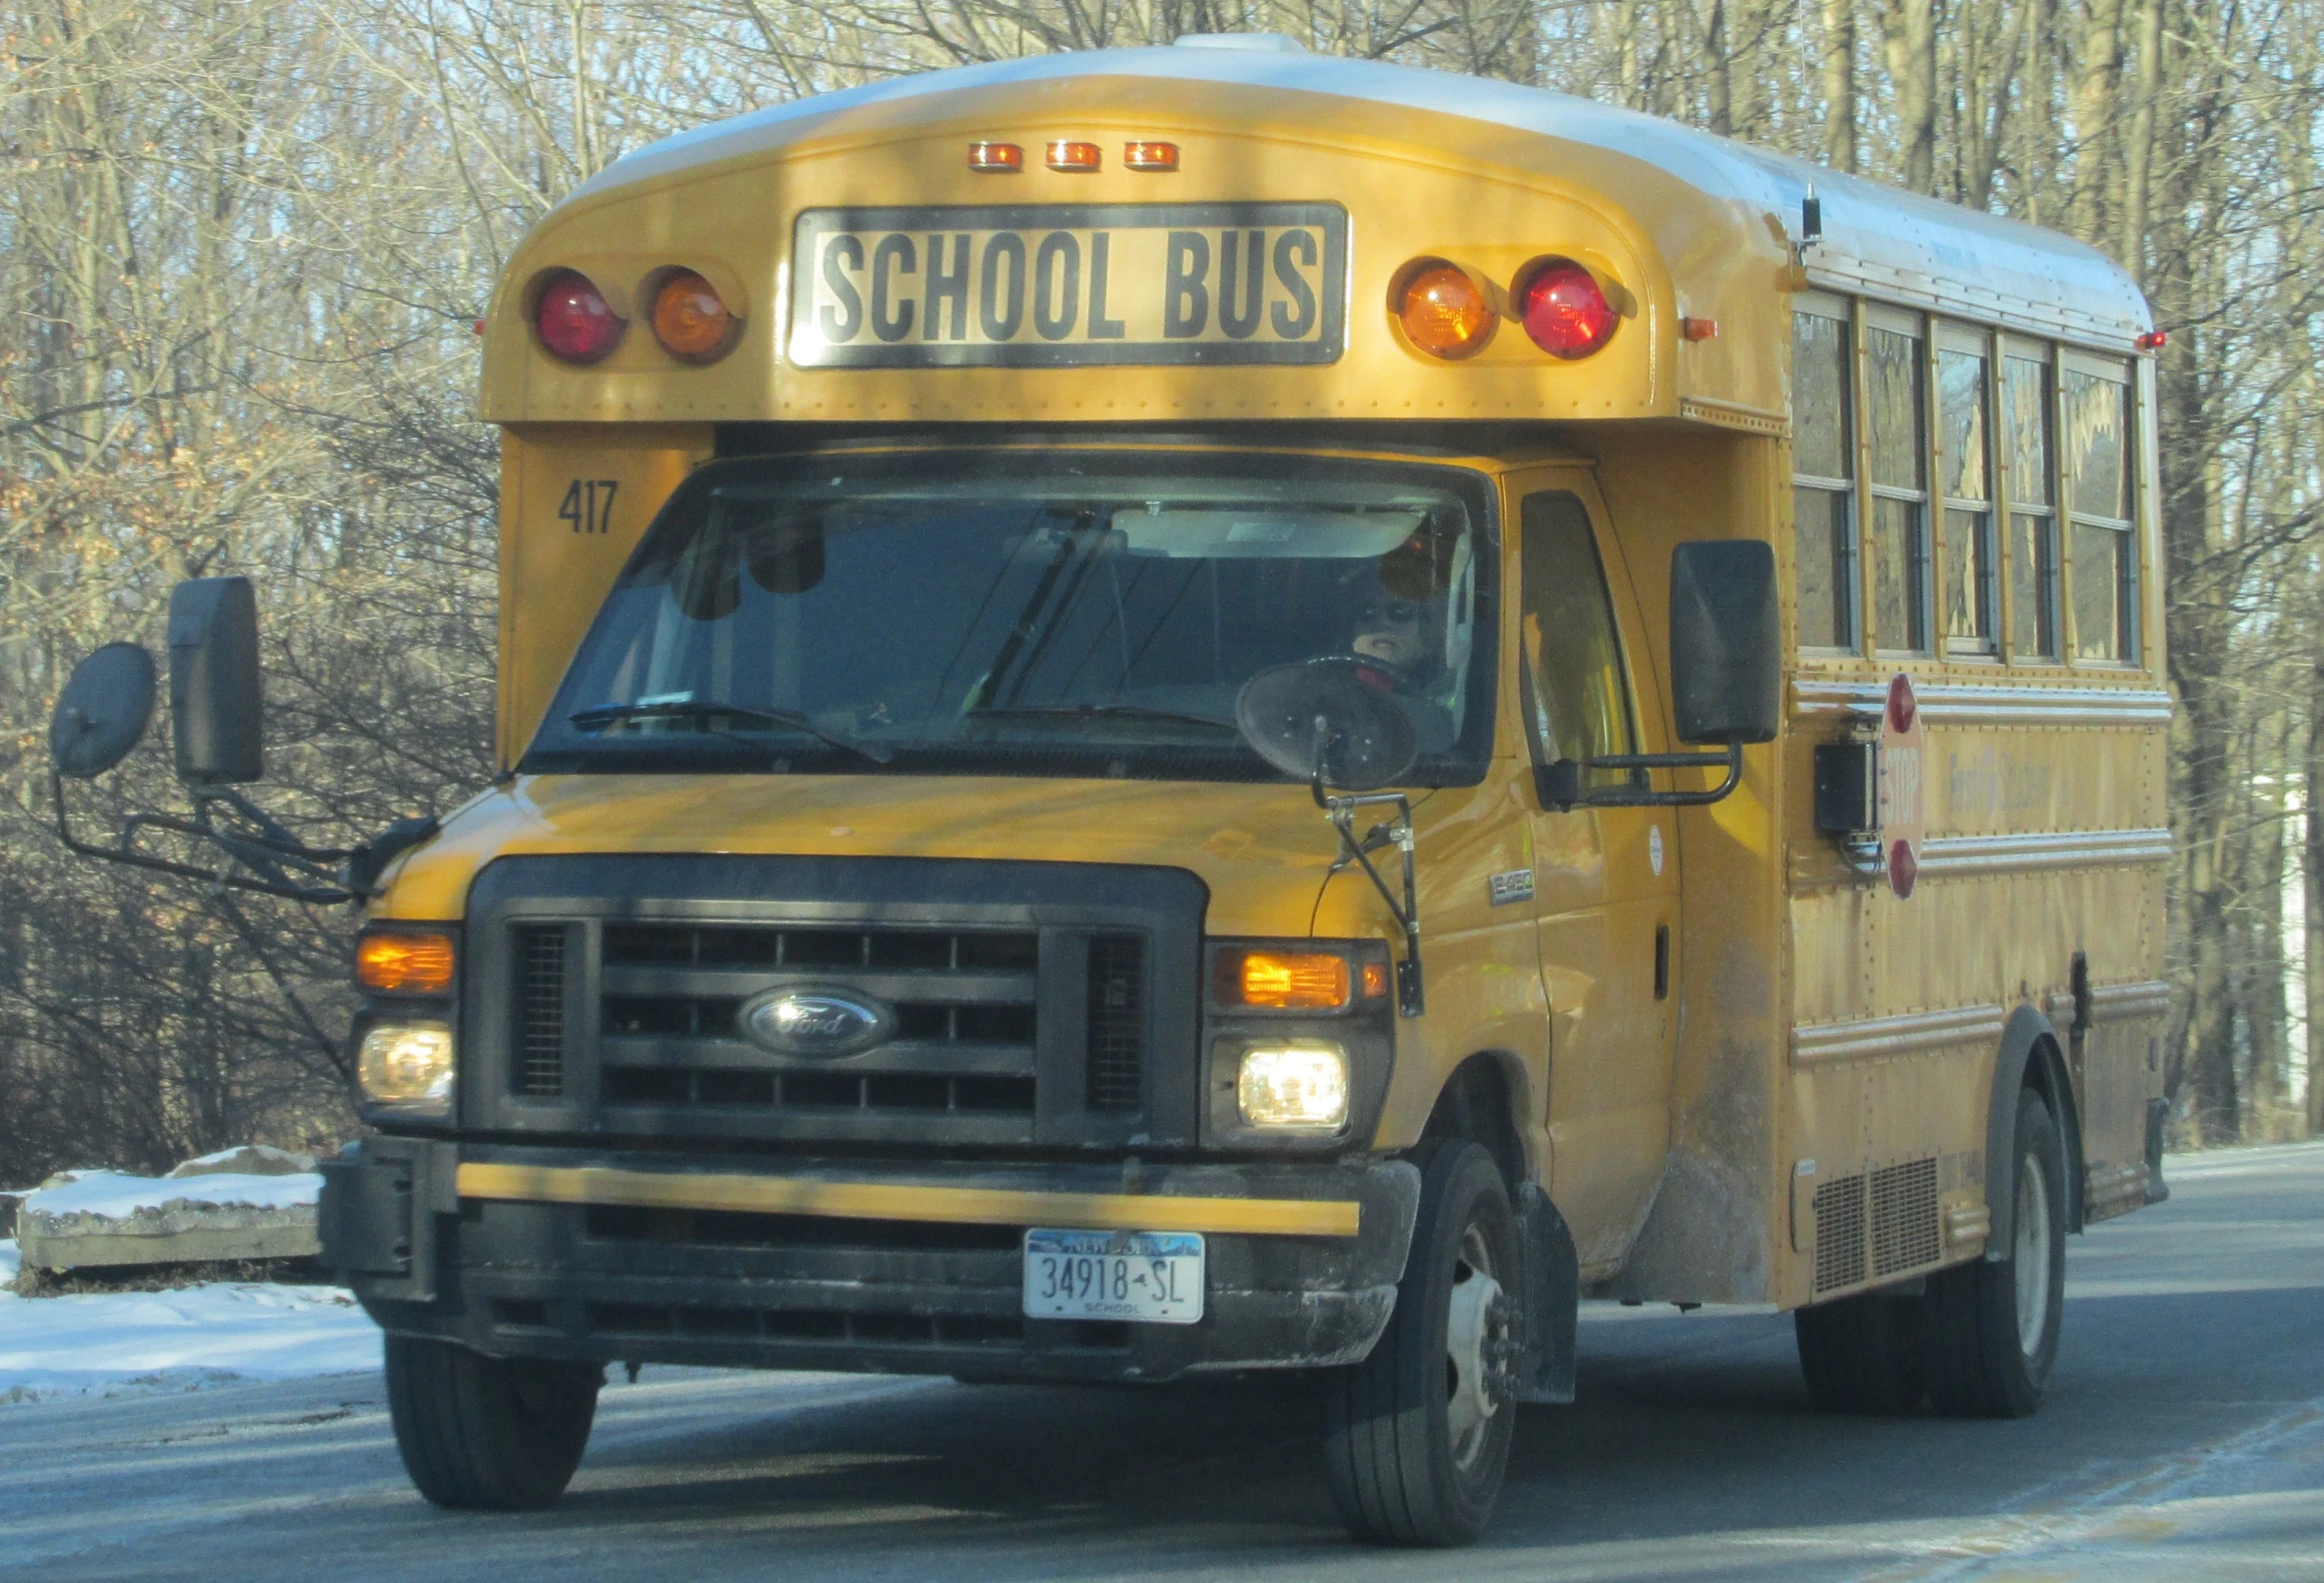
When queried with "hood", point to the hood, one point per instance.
{"points": [[1264, 850]]}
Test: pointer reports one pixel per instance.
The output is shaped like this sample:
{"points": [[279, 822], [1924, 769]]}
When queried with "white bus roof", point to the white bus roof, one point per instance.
{"points": [[1877, 240]]}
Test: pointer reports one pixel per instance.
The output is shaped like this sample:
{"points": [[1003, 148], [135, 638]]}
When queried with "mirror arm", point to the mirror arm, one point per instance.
{"points": [[124, 851], [1410, 999], [1560, 784]]}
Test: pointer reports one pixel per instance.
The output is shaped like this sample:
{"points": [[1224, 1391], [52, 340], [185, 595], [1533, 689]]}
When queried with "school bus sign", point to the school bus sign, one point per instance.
{"points": [[1059, 285]]}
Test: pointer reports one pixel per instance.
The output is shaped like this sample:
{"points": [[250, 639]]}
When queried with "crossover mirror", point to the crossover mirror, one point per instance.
{"points": [[215, 701], [1335, 721], [102, 713]]}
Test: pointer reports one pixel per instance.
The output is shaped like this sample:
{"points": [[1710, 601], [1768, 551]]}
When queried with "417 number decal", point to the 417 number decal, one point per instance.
{"points": [[589, 504]]}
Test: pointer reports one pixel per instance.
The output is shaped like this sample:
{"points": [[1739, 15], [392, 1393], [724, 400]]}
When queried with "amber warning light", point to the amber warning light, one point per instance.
{"points": [[405, 962], [1284, 980]]}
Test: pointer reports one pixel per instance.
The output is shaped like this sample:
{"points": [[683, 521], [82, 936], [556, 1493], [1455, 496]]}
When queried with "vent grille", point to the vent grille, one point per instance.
{"points": [[1117, 1021], [540, 1064], [1905, 1232], [1839, 1235]]}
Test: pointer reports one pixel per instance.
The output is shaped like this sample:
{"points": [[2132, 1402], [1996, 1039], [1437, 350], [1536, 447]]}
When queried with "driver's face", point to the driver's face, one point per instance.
{"points": [[1390, 630]]}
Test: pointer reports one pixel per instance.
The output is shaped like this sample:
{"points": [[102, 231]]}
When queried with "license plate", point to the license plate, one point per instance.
{"points": [[1154, 1277], [1065, 285]]}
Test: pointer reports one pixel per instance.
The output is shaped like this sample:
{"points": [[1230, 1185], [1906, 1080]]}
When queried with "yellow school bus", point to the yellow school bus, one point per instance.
{"points": [[1376, 702]]}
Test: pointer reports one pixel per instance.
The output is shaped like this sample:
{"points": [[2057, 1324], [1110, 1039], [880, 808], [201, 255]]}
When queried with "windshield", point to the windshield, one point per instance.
{"points": [[1027, 613]]}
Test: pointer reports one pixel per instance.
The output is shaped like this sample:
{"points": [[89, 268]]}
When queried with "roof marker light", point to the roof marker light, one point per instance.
{"points": [[1698, 329], [1065, 155], [1148, 154], [1443, 312], [690, 320], [997, 157], [1565, 310], [574, 320], [2153, 339]]}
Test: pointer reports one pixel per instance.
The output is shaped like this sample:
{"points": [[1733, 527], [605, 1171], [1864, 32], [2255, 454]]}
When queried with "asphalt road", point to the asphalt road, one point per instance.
{"points": [[2184, 1440]]}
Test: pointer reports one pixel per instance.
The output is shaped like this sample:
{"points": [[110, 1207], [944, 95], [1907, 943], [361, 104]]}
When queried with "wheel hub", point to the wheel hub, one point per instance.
{"points": [[1479, 1357], [2030, 1254]]}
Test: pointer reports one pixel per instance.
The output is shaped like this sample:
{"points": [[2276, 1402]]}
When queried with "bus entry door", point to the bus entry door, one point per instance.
{"points": [[1606, 880]]}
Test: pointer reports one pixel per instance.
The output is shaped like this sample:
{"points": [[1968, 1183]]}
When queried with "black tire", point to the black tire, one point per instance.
{"points": [[1414, 1445], [1990, 1338], [1861, 1355], [481, 1433]]}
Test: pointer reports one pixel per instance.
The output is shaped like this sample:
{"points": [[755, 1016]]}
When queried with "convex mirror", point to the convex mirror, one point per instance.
{"points": [[103, 712], [1338, 717], [216, 702]]}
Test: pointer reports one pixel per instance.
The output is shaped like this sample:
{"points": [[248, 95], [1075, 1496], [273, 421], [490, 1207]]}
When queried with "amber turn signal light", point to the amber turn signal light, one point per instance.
{"points": [[1443, 312], [690, 320], [1282, 981], [405, 962]]}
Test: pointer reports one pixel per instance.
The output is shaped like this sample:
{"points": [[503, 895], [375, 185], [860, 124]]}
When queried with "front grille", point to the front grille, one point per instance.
{"points": [[667, 946], [540, 1066], [1012, 1004], [1905, 1232], [1839, 1235], [1117, 1021]]}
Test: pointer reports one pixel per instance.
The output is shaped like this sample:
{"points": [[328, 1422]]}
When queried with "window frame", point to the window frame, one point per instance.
{"points": [[1921, 562], [2010, 507], [1985, 598], [1849, 578], [2126, 571], [1533, 708]]}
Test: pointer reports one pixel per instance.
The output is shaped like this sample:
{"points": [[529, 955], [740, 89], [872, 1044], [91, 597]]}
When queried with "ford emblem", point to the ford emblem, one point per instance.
{"points": [[815, 1022]]}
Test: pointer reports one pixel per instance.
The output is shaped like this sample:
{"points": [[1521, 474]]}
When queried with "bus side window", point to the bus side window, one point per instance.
{"points": [[1823, 476], [1580, 699]]}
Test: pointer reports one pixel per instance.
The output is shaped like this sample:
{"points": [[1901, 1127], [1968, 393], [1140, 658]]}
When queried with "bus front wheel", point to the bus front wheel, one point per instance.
{"points": [[1992, 1324], [481, 1433], [1417, 1436]]}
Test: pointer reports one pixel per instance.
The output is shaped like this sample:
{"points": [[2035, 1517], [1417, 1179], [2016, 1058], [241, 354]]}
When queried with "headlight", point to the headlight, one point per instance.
{"points": [[1297, 1088], [409, 1065]]}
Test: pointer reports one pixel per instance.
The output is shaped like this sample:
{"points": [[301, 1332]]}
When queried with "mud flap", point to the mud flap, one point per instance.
{"points": [[1552, 1297], [2157, 1113]]}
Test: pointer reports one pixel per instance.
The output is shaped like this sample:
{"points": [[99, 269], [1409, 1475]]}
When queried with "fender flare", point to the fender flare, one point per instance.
{"points": [[2028, 1059]]}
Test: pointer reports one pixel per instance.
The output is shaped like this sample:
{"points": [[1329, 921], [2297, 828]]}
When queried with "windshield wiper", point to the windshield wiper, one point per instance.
{"points": [[709, 709], [1132, 712]]}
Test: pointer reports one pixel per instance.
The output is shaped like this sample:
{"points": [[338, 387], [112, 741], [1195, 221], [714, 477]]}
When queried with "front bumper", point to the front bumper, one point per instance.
{"points": [[839, 1264]]}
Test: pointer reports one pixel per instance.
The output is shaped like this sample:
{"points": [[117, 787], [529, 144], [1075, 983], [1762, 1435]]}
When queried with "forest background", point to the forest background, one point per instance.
{"points": [[243, 242]]}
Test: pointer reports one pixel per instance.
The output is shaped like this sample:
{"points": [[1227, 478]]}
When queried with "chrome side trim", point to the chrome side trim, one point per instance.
{"points": [[2120, 1002], [1735, 415], [1959, 703], [1958, 856], [1822, 1043]]}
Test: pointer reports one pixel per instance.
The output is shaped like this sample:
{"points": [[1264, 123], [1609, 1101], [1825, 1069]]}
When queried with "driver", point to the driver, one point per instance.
{"points": [[1397, 625]]}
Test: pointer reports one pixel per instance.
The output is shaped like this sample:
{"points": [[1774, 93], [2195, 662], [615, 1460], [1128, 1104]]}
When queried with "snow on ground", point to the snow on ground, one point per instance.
{"points": [[117, 1197], [134, 1343]]}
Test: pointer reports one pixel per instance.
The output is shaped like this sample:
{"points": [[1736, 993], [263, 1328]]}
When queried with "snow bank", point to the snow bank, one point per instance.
{"points": [[116, 1197], [125, 1344]]}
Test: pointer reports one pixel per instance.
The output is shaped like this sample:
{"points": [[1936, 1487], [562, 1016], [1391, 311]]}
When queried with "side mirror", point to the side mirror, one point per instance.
{"points": [[215, 698], [102, 711], [1726, 641]]}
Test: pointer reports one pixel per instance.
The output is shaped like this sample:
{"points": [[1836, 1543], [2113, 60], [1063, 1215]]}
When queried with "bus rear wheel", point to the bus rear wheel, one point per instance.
{"points": [[1992, 1324], [481, 1433], [1417, 1436]]}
